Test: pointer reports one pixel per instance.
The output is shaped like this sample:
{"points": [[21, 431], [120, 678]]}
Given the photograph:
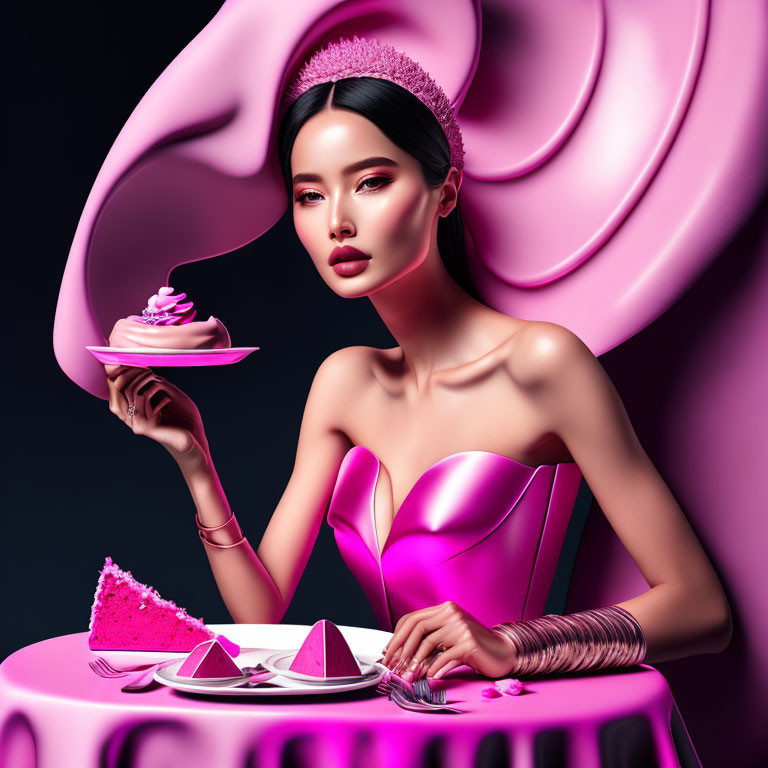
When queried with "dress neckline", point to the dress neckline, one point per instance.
{"points": [[419, 480]]}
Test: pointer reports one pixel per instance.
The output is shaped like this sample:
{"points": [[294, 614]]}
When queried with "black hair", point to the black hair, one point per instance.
{"points": [[406, 122]]}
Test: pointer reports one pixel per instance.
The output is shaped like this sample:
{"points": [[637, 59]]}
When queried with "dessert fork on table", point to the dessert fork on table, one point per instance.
{"points": [[104, 669], [420, 687], [399, 692]]}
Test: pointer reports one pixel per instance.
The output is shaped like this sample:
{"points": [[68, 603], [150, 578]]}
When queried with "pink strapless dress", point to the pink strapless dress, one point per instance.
{"points": [[477, 528]]}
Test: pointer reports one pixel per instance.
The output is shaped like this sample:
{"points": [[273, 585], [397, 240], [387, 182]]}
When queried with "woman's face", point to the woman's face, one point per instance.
{"points": [[352, 187]]}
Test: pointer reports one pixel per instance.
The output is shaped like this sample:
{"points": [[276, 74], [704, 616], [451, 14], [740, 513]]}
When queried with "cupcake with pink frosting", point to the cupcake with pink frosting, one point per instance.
{"points": [[167, 322]]}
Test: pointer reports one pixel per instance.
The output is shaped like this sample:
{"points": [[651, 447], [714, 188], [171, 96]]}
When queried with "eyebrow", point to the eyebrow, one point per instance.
{"points": [[358, 166]]}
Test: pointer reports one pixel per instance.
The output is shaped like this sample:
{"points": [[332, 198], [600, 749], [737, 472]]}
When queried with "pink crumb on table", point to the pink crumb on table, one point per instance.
{"points": [[511, 686], [508, 687]]}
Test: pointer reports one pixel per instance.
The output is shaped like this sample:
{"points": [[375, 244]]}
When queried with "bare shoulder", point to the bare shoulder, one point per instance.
{"points": [[337, 382], [340, 376], [345, 367], [544, 352]]}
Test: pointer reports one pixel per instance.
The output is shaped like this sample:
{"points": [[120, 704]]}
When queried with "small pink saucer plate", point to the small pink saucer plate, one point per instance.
{"points": [[145, 356]]}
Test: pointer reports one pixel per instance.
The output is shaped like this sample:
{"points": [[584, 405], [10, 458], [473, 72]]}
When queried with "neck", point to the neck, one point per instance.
{"points": [[437, 325]]}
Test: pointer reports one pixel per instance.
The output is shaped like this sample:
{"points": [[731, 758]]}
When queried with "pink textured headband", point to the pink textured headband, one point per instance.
{"points": [[366, 57]]}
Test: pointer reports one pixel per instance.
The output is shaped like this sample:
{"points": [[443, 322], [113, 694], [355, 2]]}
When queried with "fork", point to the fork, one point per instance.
{"points": [[422, 689], [406, 702], [146, 677], [399, 692], [104, 669]]}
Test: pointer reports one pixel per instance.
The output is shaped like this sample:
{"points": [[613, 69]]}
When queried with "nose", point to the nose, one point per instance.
{"points": [[340, 225]]}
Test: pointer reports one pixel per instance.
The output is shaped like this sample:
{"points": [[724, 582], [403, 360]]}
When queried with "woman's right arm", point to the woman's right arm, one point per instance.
{"points": [[257, 587]]}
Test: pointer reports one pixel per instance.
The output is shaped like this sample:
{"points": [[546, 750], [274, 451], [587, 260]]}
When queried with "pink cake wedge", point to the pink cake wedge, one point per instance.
{"points": [[128, 615], [325, 653], [209, 660]]}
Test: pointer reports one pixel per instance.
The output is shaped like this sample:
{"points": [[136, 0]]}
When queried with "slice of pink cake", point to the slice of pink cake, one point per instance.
{"points": [[325, 653], [209, 659], [127, 615]]}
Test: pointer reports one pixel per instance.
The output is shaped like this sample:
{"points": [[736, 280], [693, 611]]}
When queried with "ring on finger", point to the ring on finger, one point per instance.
{"points": [[132, 409]]}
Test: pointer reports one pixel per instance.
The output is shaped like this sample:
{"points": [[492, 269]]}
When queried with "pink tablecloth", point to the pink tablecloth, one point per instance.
{"points": [[56, 713]]}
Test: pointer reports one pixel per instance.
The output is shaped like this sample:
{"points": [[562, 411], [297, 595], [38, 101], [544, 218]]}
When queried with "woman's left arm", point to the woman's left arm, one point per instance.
{"points": [[685, 611]]}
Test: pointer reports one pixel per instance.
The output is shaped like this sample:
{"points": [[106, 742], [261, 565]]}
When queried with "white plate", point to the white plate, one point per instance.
{"points": [[280, 664], [276, 686]]}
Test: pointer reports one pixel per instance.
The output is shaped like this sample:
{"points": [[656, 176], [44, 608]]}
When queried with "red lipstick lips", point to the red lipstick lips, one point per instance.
{"points": [[348, 261], [346, 253]]}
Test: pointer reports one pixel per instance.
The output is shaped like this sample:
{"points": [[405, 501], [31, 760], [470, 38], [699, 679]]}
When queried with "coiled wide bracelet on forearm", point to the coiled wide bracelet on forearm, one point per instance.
{"points": [[594, 639]]}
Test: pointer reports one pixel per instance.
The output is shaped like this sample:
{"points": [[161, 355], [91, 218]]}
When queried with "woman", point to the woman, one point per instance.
{"points": [[375, 173]]}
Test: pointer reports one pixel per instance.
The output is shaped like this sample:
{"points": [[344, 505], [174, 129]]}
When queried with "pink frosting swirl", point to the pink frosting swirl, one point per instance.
{"points": [[165, 308]]}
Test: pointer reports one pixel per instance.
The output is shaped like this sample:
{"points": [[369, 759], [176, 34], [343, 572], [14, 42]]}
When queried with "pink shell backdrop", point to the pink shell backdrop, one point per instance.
{"points": [[612, 150]]}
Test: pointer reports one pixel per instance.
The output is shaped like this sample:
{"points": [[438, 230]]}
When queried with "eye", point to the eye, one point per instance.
{"points": [[376, 180], [301, 198]]}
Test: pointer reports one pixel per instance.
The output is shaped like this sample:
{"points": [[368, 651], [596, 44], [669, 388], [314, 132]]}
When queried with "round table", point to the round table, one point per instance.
{"points": [[56, 713]]}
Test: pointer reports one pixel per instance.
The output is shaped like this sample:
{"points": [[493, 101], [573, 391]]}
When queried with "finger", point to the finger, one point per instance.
{"points": [[389, 649], [154, 410], [404, 629], [453, 657], [115, 370], [117, 404], [165, 385], [119, 380], [123, 380], [149, 393], [427, 648], [136, 393], [141, 401], [445, 668], [136, 384], [122, 370], [402, 621]]}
